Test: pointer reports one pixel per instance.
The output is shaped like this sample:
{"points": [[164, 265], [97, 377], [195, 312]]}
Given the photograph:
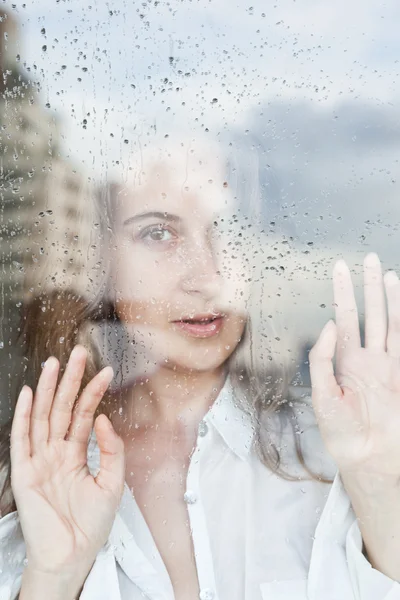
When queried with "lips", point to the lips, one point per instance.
{"points": [[202, 325]]}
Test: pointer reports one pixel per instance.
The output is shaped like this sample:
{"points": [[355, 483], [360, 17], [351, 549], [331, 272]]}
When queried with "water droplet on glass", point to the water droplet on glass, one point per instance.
{"points": [[203, 428]]}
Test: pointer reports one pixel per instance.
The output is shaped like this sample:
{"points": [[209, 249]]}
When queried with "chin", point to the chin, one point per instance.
{"points": [[200, 364]]}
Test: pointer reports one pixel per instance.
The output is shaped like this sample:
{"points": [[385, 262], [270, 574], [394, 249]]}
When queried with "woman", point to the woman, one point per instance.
{"points": [[189, 487]]}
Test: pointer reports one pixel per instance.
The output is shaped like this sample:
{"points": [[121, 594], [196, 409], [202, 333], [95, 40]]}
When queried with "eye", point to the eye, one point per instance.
{"points": [[157, 233]]}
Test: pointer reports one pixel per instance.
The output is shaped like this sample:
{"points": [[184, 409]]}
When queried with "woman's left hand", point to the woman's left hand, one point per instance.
{"points": [[357, 405]]}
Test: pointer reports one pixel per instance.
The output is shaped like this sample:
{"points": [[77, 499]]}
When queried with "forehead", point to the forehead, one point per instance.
{"points": [[186, 181]]}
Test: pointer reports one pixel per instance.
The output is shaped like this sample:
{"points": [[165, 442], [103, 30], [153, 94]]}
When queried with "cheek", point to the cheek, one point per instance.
{"points": [[233, 330], [145, 317], [144, 276], [235, 281]]}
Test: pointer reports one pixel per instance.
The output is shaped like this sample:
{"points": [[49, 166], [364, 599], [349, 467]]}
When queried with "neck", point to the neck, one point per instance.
{"points": [[168, 399]]}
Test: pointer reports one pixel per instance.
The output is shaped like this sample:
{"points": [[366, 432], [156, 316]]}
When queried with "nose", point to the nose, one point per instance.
{"points": [[201, 276]]}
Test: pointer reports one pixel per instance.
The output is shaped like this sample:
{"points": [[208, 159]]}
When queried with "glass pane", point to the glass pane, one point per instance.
{"points": [[177, 183]]}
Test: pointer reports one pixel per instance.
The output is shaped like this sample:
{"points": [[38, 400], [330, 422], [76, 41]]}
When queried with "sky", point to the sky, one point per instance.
{"points": [[311, 82]]}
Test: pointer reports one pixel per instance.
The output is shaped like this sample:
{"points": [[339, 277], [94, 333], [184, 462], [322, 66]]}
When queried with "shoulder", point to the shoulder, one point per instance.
{"points": [[294, 428], [12, 554], [10, 529], [12, 544]]}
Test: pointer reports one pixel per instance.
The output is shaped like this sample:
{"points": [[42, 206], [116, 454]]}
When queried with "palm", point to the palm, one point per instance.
{"points": [[358, 406], [65, 512], [65, 501]]}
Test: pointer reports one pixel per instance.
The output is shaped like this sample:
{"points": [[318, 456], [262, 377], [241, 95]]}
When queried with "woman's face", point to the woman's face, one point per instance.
{"points": [[167, 269]]}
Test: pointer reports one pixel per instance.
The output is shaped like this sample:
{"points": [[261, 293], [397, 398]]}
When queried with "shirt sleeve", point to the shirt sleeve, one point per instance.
{"points": [[367, 582], [12, 555], [338, 568]]}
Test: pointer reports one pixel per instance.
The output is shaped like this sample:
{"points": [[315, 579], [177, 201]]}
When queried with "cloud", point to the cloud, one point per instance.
{"points": [[227, 59], [330, 174]]}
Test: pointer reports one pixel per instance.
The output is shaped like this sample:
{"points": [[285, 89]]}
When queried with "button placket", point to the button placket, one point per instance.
{"points": [[206, 594], [197, 518]]}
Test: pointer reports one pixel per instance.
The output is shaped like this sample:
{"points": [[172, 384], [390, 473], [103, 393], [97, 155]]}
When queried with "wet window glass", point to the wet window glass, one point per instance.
{"points": [[199, 300]]}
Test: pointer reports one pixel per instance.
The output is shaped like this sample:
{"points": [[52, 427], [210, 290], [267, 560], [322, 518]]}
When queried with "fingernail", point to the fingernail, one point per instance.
{"points": [[340, 266], [108, 372], [24, 392], [391, 278], [372, 259], [51, 361], [78, 348]]}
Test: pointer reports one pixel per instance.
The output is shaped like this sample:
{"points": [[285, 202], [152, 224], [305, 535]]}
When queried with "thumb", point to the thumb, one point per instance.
{"points": [[112, 456], [323, 380]]}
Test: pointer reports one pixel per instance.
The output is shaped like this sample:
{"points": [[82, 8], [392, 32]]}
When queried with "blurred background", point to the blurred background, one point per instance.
{"points": [[310, 89]]}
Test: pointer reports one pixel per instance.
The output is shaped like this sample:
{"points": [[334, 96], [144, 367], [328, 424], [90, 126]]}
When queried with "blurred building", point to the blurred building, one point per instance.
{"points": [[42, 204], [58, 254], [26, 147]]}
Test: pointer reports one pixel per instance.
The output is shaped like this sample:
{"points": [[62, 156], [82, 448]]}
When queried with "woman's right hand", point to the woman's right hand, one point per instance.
{"points": [[66, 514]]}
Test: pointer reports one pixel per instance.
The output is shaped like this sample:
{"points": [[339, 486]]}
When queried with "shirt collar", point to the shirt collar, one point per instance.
{"points": [[234, 425]]}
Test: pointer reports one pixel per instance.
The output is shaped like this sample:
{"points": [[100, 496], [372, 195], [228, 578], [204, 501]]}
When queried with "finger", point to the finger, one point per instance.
{"points": [[392, 286], [83, 413], [20, 446], [44, 395], [346, 313], [112, 457], [375, 305], [67, 391], [323, 380]]}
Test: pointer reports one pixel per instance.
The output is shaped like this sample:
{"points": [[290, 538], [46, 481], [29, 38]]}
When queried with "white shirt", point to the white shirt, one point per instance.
{"points": [[256, 536]]}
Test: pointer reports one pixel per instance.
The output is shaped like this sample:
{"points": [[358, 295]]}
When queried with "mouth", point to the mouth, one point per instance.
{"points": [[204, 325]]}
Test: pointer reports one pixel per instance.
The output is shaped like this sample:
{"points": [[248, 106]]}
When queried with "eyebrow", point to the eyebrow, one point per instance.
{"points": [[163, 216]]}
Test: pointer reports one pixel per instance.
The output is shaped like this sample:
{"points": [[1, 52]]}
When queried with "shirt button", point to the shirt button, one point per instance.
{"points": [[203, 428], [206, 594], [190, 497]]}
